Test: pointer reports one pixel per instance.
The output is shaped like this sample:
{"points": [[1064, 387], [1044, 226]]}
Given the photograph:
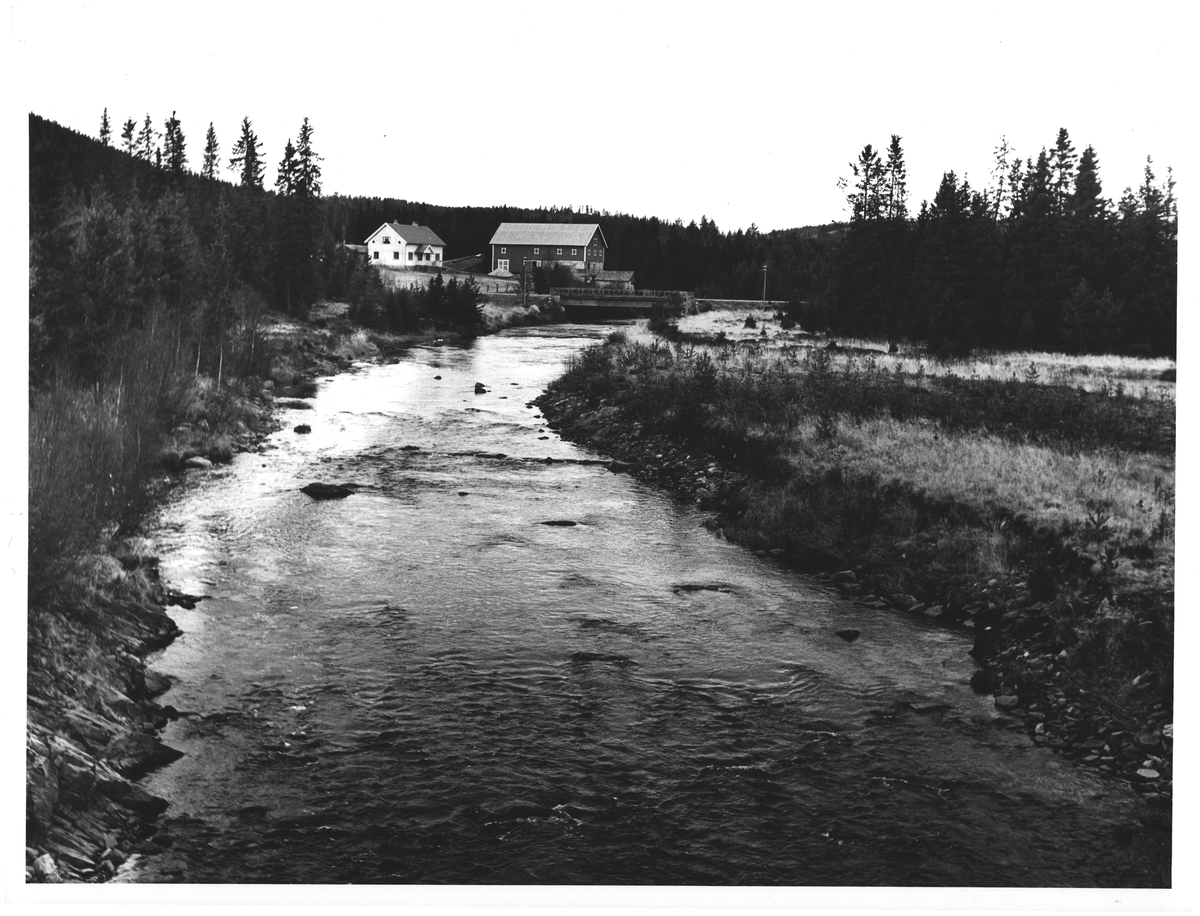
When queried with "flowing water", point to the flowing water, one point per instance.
{"points": [[425, 683]]}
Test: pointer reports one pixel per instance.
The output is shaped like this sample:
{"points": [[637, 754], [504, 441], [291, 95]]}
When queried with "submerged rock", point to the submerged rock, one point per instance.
{"points": [[561, 523], [326, 490], [480, 388], [849, 634]]}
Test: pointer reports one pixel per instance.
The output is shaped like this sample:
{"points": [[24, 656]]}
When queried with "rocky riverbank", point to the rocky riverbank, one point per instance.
{"points": [[92, 703], [1021, 644]]}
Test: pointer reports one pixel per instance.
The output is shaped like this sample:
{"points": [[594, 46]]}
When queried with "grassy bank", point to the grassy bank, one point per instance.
{"points": [[101, 456], [1039, 516]]}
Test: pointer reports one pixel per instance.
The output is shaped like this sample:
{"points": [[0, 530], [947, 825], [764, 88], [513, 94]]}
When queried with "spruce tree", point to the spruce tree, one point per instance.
{"points": [[209, 169], [127, 134], [1087, 202], [145, 141], [285, 179], [174, 148], [246, 160], [308, 173], [895, 203], [105, 129], [1062, 168]]}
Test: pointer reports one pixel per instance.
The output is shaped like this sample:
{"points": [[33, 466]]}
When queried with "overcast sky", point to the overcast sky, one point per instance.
{"points": [[744, 112]]}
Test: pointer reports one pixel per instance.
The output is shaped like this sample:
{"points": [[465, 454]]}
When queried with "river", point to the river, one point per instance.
{"points": [[425, 683]]}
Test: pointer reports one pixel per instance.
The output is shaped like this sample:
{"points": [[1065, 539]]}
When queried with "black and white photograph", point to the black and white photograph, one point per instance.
{"points": [[611, 456]]}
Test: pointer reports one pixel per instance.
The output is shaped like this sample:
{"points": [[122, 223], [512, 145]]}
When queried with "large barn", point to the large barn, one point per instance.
{"points": [[397, 245], [577, 245]]}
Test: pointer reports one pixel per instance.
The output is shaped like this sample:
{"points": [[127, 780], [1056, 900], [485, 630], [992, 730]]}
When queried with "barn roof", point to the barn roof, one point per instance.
{"points": [[625, 276], [413, 235], [578, 234]]}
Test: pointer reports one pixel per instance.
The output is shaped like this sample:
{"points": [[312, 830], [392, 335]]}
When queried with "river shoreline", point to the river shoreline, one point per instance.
{"points": [[1017, 652], [93, 715]]}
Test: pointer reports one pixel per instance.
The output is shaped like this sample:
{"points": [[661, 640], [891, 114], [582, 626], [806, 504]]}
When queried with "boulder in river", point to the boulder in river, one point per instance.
{"points": [[849, 634], [302, 428], [480, 388], [326, 490], [198, 463], [561, 523]]}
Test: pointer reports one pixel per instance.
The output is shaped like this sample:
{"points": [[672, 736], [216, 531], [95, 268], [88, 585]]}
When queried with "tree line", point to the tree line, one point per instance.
{"points": [[1039, 259]]}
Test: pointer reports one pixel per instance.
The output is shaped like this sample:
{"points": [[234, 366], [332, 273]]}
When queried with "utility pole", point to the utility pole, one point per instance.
{"points": [[764, 298]]}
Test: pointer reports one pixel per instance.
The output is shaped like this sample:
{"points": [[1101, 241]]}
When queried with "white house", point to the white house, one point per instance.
{"points": [[396, 245]]}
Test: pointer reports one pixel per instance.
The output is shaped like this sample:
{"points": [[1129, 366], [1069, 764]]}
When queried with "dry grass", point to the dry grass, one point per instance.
{"points": [[1136, 377], [1047, 485]]}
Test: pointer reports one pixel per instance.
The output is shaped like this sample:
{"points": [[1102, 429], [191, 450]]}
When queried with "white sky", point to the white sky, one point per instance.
{"points": [[746, 112]]}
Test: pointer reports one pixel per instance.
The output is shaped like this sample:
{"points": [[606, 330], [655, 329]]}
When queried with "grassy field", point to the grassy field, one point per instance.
{"points": [[1041, 515]]}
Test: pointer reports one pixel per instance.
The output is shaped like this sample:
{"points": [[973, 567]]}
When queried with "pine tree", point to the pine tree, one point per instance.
{"points": [[105, 129], [864, 196], [174, 148], [209, 169], [246, 160], [145, 141], [127, 134]]}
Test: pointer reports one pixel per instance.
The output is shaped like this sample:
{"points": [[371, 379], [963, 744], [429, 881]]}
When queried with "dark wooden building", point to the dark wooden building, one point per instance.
{"points": [[580, 246]]}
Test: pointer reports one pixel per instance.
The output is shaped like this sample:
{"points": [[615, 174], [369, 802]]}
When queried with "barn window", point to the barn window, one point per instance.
{"points": [[572, 252], [537, 251], [559, 251], [502, 264], [503, 250]]}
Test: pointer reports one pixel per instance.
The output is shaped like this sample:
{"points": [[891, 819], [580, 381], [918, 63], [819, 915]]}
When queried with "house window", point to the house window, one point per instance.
{"points": [[376, 255], [428, 256], [410, 254], [386, 240], [502, 264], [395, 256], [437, 256]]}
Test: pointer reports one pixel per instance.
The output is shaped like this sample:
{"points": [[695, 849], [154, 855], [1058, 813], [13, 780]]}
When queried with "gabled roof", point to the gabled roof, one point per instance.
{"points": [[412, 235], [621, 275], [577, 234]]}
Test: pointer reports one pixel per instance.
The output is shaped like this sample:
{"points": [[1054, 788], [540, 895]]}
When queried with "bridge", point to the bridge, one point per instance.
{"points": [[585, 301]]}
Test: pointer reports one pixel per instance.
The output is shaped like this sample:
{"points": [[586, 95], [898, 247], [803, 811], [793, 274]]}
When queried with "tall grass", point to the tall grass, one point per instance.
{"points": [[92, 446]]}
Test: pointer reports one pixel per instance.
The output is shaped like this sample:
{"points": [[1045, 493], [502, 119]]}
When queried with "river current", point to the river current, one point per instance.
{"points": [[425, 683]]}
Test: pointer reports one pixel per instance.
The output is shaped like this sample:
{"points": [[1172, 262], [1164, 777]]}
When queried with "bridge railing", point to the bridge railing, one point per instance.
{"points": [[590, 293]]}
